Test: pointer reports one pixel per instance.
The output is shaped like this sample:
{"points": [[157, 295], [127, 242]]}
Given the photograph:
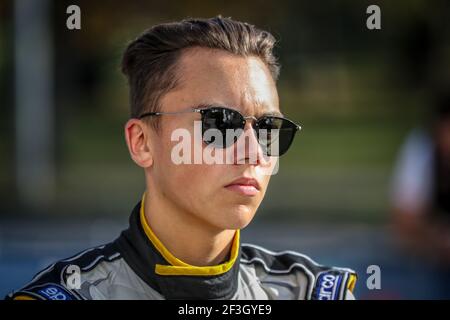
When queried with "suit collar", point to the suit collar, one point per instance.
{"points": [[171, 277]]}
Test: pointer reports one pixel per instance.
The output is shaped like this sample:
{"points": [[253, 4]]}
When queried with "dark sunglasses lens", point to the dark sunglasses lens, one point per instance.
{"points": [[216, 122], [275, 135]]}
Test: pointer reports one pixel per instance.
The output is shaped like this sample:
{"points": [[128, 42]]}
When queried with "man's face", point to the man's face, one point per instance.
{"points": [[209, 191]]}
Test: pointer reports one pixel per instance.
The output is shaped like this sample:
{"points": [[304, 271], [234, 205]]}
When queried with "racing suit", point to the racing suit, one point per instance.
{"points": [[138, 266]]}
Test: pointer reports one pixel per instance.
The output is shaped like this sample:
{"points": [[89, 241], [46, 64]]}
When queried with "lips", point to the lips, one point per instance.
{"points": [[244, 186]]}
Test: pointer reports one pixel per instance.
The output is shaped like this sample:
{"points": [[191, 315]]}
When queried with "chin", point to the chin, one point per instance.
{"points": [[239, 217]]}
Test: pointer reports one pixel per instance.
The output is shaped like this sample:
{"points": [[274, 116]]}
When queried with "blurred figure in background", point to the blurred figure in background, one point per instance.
{"points": [[421, 194]]}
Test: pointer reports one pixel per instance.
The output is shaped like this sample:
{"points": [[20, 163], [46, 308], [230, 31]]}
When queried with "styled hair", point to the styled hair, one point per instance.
{"points": [[150, 61]]}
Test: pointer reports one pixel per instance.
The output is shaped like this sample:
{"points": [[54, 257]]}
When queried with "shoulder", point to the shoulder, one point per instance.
{"points": [[308, 278], [62, 279]]}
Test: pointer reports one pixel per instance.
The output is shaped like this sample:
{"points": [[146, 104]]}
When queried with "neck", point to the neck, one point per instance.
{"points": [[186, 236]]}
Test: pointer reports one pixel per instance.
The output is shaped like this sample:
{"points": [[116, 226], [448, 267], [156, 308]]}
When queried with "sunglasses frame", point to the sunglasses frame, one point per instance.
{"points": [[203, 111]]}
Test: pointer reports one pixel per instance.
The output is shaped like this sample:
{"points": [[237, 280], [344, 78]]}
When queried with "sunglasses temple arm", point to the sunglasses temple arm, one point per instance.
{"points": [[164, 113]]}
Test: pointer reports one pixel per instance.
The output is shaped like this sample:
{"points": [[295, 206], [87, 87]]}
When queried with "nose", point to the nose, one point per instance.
{"points": [[247, 148]]}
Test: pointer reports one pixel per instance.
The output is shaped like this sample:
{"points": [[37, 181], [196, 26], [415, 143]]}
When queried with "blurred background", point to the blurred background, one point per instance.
{"points": [[341, 195]]}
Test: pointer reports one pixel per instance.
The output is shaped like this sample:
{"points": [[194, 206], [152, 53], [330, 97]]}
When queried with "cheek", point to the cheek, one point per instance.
{"points": [[265, 182], [204, 180], [197, 185]]}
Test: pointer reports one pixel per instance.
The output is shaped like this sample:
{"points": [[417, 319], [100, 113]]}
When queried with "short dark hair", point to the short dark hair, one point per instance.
{"points": [[149, 62]]}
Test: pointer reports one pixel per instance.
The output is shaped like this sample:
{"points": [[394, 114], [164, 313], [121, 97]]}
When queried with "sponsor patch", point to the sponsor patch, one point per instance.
{"points": [[54, 292], [327, 286]]}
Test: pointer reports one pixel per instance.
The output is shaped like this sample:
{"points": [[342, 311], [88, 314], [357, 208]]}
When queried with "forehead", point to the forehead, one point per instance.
{"points": [[216, 76]]}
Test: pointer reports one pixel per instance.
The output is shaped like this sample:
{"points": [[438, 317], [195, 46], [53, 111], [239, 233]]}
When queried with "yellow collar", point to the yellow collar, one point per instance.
{"points": [[180, 268]]}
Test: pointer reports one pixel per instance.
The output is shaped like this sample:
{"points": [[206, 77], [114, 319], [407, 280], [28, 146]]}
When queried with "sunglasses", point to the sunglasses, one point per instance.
{"points": [[268, 129]]}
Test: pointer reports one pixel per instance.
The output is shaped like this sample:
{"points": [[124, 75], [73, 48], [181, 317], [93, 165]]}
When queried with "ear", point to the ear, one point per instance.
{"points": [[138, 142]]}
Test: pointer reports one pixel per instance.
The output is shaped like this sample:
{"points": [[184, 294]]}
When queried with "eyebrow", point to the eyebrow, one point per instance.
{"points": [[206, 105], [263, 107], [273, 113]]}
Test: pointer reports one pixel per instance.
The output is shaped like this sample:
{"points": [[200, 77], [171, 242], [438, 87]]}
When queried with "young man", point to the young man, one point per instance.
{"points": [[183, 239]]}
